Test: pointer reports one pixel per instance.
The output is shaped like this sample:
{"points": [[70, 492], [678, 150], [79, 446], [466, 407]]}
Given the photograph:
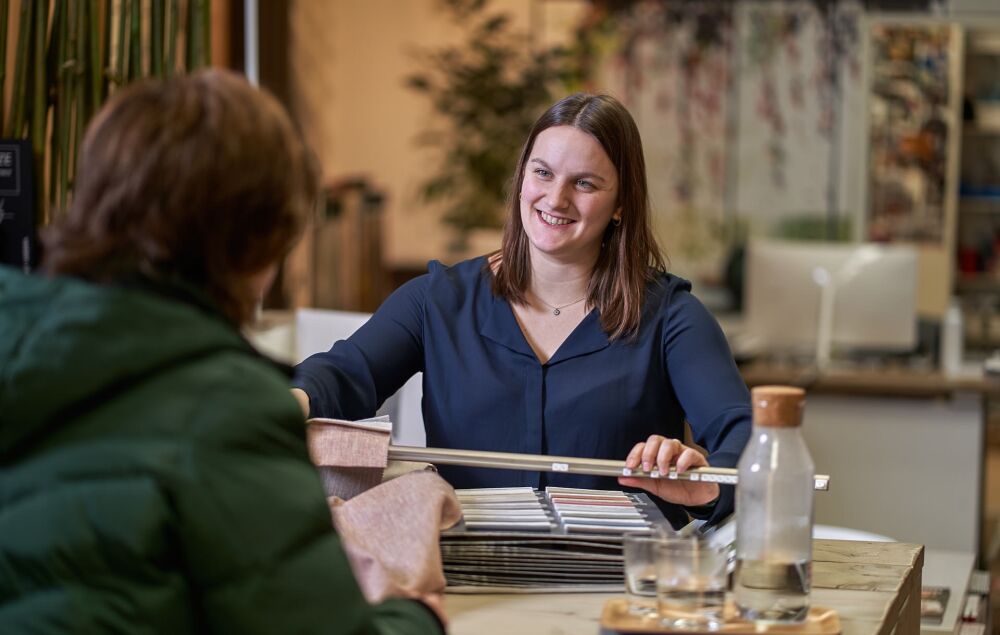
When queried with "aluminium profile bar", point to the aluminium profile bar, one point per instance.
{"points": [[567, 465]]}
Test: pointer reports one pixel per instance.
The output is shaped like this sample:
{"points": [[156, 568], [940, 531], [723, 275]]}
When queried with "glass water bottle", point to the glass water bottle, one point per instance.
{"points": [[774, 511]]}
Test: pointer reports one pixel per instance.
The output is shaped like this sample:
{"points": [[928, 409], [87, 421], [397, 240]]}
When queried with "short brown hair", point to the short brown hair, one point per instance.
{"points": [[630, 256], [201, 177]]}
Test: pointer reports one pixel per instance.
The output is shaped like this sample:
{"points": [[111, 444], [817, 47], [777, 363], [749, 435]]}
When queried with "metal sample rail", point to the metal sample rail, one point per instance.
{"points": [[566, 465]]}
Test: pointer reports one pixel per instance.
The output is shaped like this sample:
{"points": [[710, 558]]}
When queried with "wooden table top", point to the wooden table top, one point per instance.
{"points": [[888, 382], [873, 586]]}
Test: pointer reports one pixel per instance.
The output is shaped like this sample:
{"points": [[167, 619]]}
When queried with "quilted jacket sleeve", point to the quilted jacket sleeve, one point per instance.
{"points": [[254, 528]]}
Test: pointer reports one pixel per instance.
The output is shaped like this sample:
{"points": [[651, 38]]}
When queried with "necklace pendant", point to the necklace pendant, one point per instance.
{"points": [[556, 311]]}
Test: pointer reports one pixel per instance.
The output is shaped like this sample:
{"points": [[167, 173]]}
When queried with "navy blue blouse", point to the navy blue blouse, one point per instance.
{"points": [[484, 388]]}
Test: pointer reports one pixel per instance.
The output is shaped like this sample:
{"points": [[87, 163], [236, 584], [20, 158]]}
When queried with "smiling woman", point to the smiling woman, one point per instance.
{"points": [[591, 143], [571, 340]]}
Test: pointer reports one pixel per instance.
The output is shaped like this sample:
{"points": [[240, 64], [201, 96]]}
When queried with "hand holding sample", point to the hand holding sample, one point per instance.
{"points": [[660, 453]]}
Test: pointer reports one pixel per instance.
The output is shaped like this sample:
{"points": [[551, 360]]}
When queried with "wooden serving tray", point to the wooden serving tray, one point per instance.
{"points": [[616, 617]]}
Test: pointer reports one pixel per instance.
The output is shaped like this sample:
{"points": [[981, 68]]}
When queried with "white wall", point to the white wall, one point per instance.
{"points": [[349, 60], [906, 468]]}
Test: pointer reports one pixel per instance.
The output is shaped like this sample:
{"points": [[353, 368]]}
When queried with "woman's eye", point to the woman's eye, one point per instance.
{"points": [[587, 185], [542, 172]]}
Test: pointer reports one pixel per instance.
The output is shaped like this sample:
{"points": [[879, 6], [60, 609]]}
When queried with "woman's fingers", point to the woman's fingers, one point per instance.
{"points": [[657, 452], [651, 451], [635, 456], [660, 453], [670, 449], [689, 458]]}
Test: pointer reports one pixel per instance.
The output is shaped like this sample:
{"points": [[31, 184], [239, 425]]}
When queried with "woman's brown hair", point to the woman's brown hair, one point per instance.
{"points": [[200, 177], [630, 256]]}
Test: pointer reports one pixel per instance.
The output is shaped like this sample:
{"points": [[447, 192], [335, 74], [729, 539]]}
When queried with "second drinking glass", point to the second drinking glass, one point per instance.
{"points": [[691, 582]]}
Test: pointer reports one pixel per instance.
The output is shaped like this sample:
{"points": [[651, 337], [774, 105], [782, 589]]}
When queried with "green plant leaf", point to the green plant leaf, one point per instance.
{"points": [[490, 90]]}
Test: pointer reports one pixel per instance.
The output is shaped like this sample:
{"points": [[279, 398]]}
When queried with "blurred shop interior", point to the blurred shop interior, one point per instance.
{"points": [[827, 174]]}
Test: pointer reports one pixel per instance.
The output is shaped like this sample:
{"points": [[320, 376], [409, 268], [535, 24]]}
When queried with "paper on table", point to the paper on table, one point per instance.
{"points": [[498, 547]]}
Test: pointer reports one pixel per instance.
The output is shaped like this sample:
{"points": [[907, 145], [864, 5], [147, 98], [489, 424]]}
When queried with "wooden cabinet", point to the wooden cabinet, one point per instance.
{"points": [[914, 114], [933, 158], [977, 278]]}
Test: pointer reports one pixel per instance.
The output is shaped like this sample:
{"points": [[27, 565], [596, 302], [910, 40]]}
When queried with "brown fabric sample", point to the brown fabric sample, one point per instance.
{"points": [[348, 482], [391, 535], [346, 444], [350, 455]]}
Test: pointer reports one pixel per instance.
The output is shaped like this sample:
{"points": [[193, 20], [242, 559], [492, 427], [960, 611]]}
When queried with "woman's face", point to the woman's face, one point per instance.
{"points": [[568, 195]]}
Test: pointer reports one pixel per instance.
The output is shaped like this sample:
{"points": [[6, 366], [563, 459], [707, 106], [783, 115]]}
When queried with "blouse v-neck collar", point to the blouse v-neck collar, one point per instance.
{"points": [[500, 325]]}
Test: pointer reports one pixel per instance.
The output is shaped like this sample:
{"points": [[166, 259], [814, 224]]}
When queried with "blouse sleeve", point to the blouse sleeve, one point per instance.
{"points": [[708, 385], [353, 378]]}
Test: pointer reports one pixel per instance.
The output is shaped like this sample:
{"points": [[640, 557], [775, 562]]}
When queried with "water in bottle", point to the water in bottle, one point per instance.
{"points": [[774, 511]]}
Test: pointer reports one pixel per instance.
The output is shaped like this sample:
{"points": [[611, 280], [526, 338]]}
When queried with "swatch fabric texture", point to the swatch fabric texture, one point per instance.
{"points": [[391, 535], [350, 459], [347, 482]]}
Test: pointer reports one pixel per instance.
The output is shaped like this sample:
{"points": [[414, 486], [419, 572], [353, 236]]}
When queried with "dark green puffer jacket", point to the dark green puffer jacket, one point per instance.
{"points": [[154, 476]]}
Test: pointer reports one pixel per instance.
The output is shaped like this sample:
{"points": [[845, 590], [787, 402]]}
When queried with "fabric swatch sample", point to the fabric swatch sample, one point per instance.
{"points": [[350, 455], [391, 535]]}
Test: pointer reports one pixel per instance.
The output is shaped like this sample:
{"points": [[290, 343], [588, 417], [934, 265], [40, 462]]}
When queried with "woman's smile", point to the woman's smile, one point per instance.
{"points": [[554, 220]]}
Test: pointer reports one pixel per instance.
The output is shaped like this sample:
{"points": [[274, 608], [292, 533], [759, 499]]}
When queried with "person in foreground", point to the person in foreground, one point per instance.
{"points": [[154, 476], [571, 340]]}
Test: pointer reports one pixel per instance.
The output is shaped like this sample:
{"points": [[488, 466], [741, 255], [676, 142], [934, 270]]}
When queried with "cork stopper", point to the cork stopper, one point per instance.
{"points": [[777, 406]]}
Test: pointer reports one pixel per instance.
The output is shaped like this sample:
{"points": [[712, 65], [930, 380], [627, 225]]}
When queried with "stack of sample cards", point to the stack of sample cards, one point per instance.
{"points": [[596, 511], [563, 539], [504, 509]]}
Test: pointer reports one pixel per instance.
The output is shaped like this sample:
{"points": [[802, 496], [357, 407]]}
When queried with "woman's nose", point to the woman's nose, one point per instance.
{"points": [[555, 196]]}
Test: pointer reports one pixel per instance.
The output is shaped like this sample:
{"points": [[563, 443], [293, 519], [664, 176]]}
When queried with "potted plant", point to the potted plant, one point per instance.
{"points": [[488, 92]]}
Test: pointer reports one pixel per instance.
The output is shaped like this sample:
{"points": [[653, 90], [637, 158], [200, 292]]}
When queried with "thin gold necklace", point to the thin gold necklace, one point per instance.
{"points": [[556, 310]]}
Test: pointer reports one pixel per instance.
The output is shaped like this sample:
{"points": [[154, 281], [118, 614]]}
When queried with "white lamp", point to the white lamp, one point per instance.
{"points": [[828, 284]]}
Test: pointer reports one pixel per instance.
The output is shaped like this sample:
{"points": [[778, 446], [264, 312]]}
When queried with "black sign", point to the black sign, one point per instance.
{"points": [[18, 237]]}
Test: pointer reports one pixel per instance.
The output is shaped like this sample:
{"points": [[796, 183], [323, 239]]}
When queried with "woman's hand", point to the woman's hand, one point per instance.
{"points": [[303, 399], [658, 452]]}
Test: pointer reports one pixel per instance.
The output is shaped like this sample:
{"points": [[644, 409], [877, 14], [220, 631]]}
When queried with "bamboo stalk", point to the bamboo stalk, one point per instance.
{"points": [[206, 32], [172, 32], [39, 100], [53, 53], [58, 54], [120, 66], [156, 38], [22, 77], [197, 36], [4, 11], [81, 71], [94, 72], [135, 42], [79, 104], [87, 58], [65, 96], [190, 35], [107, 42]]}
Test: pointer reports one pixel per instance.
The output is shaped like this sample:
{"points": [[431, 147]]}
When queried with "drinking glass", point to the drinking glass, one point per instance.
{"points": [[640, 573], [691, 582]]}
